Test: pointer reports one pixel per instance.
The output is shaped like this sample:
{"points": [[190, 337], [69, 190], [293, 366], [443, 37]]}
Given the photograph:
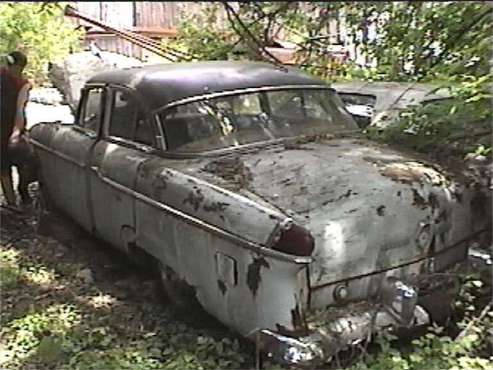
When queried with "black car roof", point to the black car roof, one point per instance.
{"points": [[162, 84]]}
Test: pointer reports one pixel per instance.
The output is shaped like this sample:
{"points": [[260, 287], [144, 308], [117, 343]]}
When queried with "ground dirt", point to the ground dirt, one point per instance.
{"points": [[103, 290]]}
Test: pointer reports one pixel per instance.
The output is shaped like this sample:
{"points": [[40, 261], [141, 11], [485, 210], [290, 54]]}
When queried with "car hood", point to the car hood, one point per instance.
{"points": [[369, 208]]}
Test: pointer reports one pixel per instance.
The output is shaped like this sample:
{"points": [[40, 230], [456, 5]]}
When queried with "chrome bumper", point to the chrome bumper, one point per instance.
{"points": [[333, 330]]}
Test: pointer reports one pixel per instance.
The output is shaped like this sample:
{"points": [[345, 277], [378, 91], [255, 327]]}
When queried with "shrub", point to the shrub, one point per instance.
{"points": [[40, 31]]}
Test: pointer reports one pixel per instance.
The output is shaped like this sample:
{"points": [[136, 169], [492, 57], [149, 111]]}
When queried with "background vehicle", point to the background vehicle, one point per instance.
{"points": [[378, 103]]}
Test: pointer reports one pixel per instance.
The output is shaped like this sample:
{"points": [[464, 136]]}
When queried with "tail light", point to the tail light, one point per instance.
{"points": [[295, 240]]}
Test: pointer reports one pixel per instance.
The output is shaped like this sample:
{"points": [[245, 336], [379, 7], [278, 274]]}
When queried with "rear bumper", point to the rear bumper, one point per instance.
{"points": [[333, 330]]}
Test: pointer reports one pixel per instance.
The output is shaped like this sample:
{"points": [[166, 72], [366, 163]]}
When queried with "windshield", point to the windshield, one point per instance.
{"points": [[235, 120]]}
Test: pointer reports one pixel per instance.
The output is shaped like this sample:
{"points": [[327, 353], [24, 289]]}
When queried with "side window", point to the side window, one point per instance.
{"points": [[286, 104], [123, 115], [128, 121], [143, 131], [92, 109]]}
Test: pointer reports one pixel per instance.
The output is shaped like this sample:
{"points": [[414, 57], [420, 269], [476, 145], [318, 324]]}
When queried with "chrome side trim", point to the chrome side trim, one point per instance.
{"points": [[203, 225], [57, 153]]}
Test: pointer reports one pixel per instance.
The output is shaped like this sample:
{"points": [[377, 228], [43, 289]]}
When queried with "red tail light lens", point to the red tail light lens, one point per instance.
{"points": [[295, 240]]}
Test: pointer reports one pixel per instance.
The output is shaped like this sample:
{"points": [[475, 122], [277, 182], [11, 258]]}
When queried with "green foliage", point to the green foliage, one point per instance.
{"points": [[462, 123], [202, 36], [416, 40], [215, 35], [437, 349], [430, 352], [422, 40], [73, 333], [9, 269], [40, 31]]}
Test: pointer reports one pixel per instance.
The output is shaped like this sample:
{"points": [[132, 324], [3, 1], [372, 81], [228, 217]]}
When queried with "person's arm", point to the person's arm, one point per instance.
{"points": [[20, 116]]}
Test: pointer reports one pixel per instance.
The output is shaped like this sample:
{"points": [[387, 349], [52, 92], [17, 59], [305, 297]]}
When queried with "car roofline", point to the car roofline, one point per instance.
{"points": [[249, 90]]}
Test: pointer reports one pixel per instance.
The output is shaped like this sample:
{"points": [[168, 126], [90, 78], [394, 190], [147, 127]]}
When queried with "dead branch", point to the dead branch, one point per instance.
{"points": [[230, 11]]}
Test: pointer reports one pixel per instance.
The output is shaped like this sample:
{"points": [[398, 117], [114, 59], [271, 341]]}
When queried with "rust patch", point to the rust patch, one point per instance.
{"points": [[215, 207], [418, 200], [159, 184], [320, 138], [381, 210], [410, 172], [433, 201], [232, 170], [222, 287], [442, 217], [299, 321], [253, 275], [195, 198], [347, 194], [295, 146]]}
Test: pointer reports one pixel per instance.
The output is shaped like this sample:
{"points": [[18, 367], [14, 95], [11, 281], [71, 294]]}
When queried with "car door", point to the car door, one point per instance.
{"points": [[127, 140], [64, 172]]}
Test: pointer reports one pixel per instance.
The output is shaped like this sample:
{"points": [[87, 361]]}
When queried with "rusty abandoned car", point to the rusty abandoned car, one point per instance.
{"points": [[378, 103], [248, 185]]}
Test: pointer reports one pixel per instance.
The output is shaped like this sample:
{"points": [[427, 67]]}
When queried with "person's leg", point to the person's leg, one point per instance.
{"points": [[7, 187], [26, 176]]}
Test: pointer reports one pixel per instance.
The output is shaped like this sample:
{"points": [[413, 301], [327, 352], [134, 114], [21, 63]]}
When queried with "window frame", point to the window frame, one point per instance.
{"points": [[262, 91], [112, 89], [82, 109]]}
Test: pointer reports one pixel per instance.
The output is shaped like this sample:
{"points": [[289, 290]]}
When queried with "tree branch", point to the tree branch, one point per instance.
{"points": [[231, 11], [460, 34]]}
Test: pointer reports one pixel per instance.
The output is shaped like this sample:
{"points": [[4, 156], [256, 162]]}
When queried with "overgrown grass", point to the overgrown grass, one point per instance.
{"points": [[53, 320]]}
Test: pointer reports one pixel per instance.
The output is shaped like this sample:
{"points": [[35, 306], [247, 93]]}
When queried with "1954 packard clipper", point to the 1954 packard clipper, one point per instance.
{"points": [[248, 186]]}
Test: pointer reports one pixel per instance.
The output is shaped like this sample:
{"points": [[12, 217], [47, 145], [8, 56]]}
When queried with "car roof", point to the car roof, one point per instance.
{"points": [[162, 84], [390, 93]]}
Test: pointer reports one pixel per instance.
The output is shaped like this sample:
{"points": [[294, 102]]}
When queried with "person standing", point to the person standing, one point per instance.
{"points": [[14, 90]]}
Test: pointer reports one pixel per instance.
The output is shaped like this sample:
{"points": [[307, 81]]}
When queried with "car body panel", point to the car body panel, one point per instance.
{"points": [[379, 218], [383, 100], [366, 210]]}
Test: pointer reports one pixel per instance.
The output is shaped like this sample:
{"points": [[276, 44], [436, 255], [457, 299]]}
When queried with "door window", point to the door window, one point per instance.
{"points": [[128, 120], [92, 110]]}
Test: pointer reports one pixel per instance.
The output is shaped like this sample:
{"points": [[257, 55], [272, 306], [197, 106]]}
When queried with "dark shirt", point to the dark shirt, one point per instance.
{"points": [[10, 86]]}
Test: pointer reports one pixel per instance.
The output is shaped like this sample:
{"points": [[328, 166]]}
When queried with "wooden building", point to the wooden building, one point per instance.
{"points": [[154, 19]]}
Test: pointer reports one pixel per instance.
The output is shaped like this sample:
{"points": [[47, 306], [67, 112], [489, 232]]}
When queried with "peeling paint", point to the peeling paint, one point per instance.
{"points": [[222, 286], [231, 169], [433, 201], [253, 275], [298, 320], [159, 184], [347, 194], [418, 200], [216, 207], [413, 172], [195, 198]]}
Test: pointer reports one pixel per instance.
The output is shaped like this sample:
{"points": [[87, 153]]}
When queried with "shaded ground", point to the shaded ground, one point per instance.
{"points": [[68, 301]]}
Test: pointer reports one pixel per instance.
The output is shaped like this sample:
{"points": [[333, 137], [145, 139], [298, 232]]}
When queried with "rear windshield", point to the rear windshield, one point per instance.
{"points": [[236, 120]]}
